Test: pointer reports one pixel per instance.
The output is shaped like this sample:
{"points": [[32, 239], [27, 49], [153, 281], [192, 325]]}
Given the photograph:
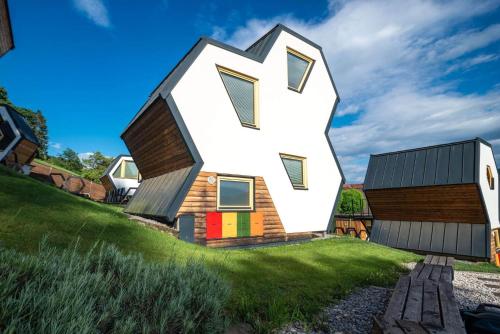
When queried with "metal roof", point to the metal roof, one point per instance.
{"points": [[453, 163], [156, 195], [21, 124]]}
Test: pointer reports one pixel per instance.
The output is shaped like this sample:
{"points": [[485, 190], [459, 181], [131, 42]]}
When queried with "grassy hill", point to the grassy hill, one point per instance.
{"points": [[270, 286]]}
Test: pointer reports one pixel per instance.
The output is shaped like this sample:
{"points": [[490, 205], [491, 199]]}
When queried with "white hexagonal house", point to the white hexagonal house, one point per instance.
{"points": [[233, 145], [121, 179]]}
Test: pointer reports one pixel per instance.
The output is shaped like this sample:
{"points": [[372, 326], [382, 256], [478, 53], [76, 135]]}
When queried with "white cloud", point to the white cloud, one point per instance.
{"points": [[388, 59], [95, 11], [55, 146]]}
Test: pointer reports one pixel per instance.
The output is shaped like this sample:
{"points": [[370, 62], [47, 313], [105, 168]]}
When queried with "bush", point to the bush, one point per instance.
{"points": [[105, 291], [351, 201]]}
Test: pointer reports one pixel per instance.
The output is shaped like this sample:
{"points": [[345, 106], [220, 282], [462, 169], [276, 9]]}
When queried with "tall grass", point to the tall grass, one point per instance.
{"points": [[105, 291]]}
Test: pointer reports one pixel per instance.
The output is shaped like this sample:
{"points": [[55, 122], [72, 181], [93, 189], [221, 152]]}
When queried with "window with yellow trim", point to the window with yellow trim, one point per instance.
{"points": [[235, 193], [127, 170], [296, 168], [491, 178], [243, 91], [299, 66]]}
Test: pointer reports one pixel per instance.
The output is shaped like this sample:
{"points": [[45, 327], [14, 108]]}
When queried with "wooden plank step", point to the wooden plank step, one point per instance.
{"points": [[428, 259], [430, 308], [413, 309], [452, 320]]}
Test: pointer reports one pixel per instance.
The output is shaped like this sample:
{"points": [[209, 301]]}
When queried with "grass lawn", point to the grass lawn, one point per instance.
{"points": [[46, 163], [270, 286]]}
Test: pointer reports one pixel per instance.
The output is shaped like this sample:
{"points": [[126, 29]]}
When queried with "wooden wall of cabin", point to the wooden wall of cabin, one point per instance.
{"points": [[202, 199], [6, 42], [156, 143], [446, 203], [23, 153]]}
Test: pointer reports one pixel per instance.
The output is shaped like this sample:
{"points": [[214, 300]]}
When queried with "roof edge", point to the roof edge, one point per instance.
{"points": [[477, 139]]}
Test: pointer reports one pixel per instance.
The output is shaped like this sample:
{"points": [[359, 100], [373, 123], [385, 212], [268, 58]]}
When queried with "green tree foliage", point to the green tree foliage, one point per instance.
{"points": [[351, 201], [105, 291], [95, 165], [35, 120], [68, 159]]}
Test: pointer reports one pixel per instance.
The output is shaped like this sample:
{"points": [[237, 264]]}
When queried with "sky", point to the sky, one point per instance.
{"points": [[409, 73]]}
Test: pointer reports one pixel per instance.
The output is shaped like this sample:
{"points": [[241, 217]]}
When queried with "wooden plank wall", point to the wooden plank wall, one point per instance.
{"points": [[6, 42], [202, 199], [25, 153], [446, 203], [156, 143]]}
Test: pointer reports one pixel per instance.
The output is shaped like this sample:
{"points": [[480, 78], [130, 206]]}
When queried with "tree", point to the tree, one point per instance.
{"points": [[36, 122], [351, 201], [69, 159], [95, 165]]}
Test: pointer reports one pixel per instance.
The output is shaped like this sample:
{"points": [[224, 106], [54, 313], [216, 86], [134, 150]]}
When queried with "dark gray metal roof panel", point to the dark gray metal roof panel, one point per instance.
{"points": [[437, 237], [155, 195], [453, 163], [450, 238], [414, 237], [21, 124], [404, 233]]}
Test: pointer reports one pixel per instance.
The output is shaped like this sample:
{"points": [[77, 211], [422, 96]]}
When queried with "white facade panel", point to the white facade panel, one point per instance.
{"points": [[290, 122], [490, 196]]}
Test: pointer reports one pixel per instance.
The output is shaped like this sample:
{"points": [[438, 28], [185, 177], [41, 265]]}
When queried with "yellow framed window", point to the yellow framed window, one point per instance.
{"points": [[299, 67], [243, 91], [235, 193], [491, 178], [127, 170], [296, 168]]}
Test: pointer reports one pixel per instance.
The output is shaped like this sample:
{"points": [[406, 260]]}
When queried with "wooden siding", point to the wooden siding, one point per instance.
{"points": [[156, 143], [6, 41], [447, 203], [22, 154], [107, 184], [202, 198]]}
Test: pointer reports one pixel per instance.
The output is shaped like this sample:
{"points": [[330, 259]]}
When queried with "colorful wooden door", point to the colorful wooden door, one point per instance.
{"points": [[229, 223], [214, 225], [256, 224], [243, 224]]}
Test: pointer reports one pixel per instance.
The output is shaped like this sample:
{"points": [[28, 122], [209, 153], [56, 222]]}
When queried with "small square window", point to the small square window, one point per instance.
{"points": [[235, 193], [296, 168], [243, 91], [491, 178], [299, 66]]}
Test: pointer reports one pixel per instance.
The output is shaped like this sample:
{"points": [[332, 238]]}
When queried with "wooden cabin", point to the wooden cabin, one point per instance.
{"points": [[6, 37], [18, 143], [233, 145], [440, 199], [121, 179]]}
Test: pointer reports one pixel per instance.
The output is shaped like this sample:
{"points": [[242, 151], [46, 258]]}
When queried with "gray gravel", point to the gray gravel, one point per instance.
{"points": [[472, 289], [351, 315], [354, 313]]}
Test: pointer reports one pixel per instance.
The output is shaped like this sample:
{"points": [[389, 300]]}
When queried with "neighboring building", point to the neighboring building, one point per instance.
{"points": [[18, 143], [438, 199], [6, 37], [121, 178], [233, 145]]}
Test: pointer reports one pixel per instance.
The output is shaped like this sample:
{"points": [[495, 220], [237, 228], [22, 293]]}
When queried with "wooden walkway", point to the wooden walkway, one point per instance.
{"points": [[423, 301]]}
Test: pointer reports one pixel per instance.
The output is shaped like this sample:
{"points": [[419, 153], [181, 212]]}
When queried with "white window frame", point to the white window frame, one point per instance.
{"points": [[306, 73], [255, 82], [249, 180], [490, 177], [303, 160], [121, 167]]}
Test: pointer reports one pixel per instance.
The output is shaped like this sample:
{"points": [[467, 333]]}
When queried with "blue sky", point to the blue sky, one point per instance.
{"points": [[409, 73]]}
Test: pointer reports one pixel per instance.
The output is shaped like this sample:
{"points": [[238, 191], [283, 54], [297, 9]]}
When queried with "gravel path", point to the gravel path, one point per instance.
{"points": [[472, 289], [354, 313], [351, 315]]}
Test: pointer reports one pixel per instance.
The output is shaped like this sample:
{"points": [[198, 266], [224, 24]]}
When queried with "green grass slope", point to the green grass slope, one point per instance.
{"points": [[270, 286]]}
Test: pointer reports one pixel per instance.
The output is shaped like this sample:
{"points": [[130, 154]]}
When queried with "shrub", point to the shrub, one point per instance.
{"points": [[105, 291], [351, 201]]}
